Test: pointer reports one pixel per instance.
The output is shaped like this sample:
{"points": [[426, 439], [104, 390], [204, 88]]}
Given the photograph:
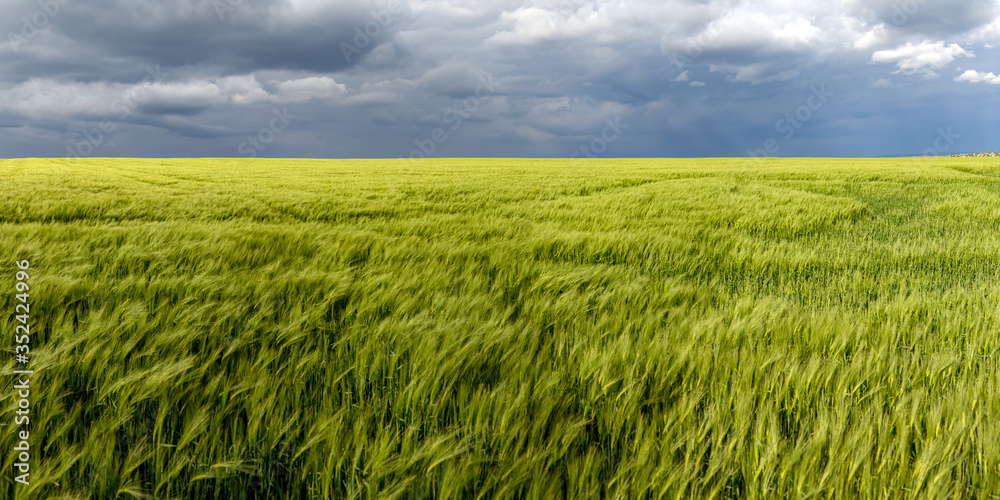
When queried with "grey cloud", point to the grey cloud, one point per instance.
{"points": [[564, 67], [925, 18], [184, 126], [256, 35]]}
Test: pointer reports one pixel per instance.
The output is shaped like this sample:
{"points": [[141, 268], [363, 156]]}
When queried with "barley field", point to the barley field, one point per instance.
{"points": [[510, 329]]}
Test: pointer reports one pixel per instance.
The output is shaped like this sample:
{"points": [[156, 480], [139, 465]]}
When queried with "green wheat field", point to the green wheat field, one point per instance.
{"points": [[511, 329]]}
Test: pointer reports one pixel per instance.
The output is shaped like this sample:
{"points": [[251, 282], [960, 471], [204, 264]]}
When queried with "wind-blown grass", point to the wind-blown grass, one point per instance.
{"points": [[507, 328]]}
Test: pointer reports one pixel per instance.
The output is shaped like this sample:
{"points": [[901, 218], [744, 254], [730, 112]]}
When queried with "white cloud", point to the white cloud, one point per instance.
{"points": [[46, 98], [533, 25], [309, 88], [698, 84], [247, 90], [874, 37], [973, 76], [243, 89], [881, 83], [683, 77], [754, 74], [749, 30], [193, 93], [923, 58]]}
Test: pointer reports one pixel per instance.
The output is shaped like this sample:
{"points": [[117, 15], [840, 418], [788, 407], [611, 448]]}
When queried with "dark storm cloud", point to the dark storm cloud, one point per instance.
{"points": [[255, 35]]}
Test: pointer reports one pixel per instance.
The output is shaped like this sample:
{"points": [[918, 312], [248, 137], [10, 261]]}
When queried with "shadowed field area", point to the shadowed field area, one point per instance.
{"points": [[506, 328]]}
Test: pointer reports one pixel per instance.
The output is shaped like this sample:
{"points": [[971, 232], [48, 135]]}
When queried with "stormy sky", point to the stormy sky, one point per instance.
{"points": [[497, 78]]}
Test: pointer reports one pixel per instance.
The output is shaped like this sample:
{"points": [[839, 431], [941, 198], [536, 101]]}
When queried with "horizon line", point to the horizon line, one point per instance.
{"points": [[418, 160]]}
